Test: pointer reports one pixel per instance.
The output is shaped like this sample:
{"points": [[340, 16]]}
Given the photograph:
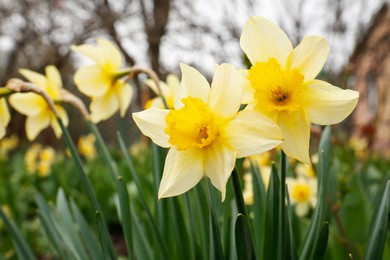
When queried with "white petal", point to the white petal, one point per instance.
{"points": [[34, 125], [104, 107], [301, 209], [193, 84], [296, 131], [92, 81], [248, 90], [92, 52], [310, 56], [329, 104], [152, 85], [219, 164], [152, 123], [262, 39], [252, 133], [226, 91], [182, 171]]}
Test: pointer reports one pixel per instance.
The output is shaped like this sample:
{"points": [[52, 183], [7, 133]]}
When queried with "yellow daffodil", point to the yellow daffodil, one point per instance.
{"points": [[168, 89], [39, 115], [4, 117], [205, 132], [101, 81], [8, 144], [31, 157], [305, 170], [86, 146], [283, 85], [303, 194]]}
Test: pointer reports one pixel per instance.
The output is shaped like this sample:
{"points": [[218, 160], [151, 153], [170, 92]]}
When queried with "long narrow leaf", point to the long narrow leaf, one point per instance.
{"points": [[379, 227], [125, 211], [321, 243], [291, 241], [244, 242], [21, 246], [271, 248], [216, 251]]}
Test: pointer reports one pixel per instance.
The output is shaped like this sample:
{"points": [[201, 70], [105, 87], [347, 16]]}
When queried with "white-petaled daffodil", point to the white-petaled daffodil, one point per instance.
{"points": [[283, 84], [168, 92], [39, 115], [102, 81], [205, 132]]}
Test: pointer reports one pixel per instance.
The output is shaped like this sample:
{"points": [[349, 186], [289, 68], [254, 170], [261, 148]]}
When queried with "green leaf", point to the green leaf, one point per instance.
{"points": [[21, 246], [238, 192], [271, 248], [323, 171], [125, 212], [379, 227], [216, 251], [259, 206], [322, 243], [291, 241], [244, 242]]}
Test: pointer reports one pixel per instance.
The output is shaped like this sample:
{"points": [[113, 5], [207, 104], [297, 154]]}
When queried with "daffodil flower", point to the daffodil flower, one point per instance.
{"points": [[303, 194], [4, 117], [168, 91], [39, 115], [205, 132], [283, 85], [102, 81]]}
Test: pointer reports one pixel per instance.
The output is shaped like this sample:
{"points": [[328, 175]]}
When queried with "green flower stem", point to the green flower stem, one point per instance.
{"points": [[5, 92], [122, 73], [283, 171], [238, 193], [90, 192], [216, 251]]}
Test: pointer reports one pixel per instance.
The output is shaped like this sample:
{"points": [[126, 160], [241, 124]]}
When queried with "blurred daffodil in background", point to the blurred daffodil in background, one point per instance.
{"points": [[102, 81], [39, 115], [263, 163], [7, 144], [283, 84], [4, 117], [86, 146], [205, 132], [39, 159], [168, 89], [303, 194]]}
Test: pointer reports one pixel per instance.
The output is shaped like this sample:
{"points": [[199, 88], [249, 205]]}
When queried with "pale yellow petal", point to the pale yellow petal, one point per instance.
{"points": [[152, 85], [219, 163], [192, 84], [329, 104], [124, 93], [28, 104], [262, 39], [92, 81], [301, 209], [252, 133], [226, 91], [5, 117], [152, 123], [92, 52], [112, 55], [182, 171], [310, 56], [54, 123], [35, 124], [173, 82], [54, 81], [296, 131], [104, 107], [34, 77], [248, 90]]}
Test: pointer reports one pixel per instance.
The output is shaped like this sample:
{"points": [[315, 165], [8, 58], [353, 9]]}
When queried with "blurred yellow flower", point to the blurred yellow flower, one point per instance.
{"points": [[205, 132], [283, 85], [305, 170], [359, 145], [303, 194], [39, 160], [86, 146], [168, 89], [247, 193], [8, 144], [263, 163], [38, 112], [4, 117], [31, 157], [101, 80]]}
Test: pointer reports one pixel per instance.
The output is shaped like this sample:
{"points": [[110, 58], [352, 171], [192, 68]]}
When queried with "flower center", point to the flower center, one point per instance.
{"points": [[301, 192], [192, 126], [276, 89]]}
